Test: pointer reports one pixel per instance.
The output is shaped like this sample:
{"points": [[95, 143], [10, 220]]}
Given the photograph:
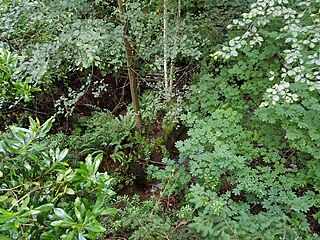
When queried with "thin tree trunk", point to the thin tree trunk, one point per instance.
{"points": [[171, 73], [165, 45], [132, 75]]}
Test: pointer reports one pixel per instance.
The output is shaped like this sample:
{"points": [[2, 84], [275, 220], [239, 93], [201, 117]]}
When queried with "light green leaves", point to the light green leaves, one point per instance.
{"points": [[12, 90], [298, 34], [84, 225], [61, 214], [39, 176], [24, 137], [87, 175]]}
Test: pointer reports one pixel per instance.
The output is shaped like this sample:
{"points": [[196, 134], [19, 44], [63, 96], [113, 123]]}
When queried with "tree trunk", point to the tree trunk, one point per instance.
{"points": [[165, 46], [131, 73], [172, 59]]}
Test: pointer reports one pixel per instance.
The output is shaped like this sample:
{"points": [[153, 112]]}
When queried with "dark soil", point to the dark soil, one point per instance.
{"points": [[314, 224], [135, 189]]}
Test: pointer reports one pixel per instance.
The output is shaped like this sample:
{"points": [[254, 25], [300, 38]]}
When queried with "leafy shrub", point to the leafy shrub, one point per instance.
{"points": [[249, 169], [102, 133], [239, 164], [147, 220], [12, 90], [42, 197]]}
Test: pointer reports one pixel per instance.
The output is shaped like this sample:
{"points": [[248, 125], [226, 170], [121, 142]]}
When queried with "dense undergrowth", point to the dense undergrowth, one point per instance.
{"points": [[233, 154]]}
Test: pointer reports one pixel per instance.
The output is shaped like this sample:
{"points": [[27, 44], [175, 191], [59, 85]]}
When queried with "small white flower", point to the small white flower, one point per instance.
{"points": [[275, 97], [286, 84], [295, 97], [279, 88]]}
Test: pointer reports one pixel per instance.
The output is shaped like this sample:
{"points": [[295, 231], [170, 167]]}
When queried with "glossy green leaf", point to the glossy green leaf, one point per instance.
{"points": [[3, 198], [97, 162], [45, 208], [62, 223], [60, 213], [95, 228], [81, 237]]}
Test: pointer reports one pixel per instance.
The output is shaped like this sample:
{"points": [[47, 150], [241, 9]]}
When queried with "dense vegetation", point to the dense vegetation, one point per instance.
{"points": [[222, 143]]}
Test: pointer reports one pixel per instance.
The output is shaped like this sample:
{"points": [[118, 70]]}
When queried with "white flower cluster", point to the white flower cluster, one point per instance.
{"points": [[300, 38], [312, 80], [253, 19], [99, 86], [231, 50], [280, 91]]}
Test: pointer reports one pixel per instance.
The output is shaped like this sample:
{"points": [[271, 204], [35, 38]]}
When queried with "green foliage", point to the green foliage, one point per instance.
{"points": [[249, 168], [87, 175], [248, 163], [213, 16], [66, 35], [173, 178], [151, 105], [61, 40], [12, 90], [39, 189], [82, 38], [145, 220], [115, 136], [145, 33], [103, 133], [298, 25], [85, 225]]}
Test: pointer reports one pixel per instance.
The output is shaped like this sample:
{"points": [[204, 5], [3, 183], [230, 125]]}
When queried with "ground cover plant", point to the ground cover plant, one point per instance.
{"points": [[159, 119]]}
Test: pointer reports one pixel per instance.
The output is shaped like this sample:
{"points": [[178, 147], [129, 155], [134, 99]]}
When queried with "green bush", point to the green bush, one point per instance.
{"points": [[12, 90], [42, 197]]}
